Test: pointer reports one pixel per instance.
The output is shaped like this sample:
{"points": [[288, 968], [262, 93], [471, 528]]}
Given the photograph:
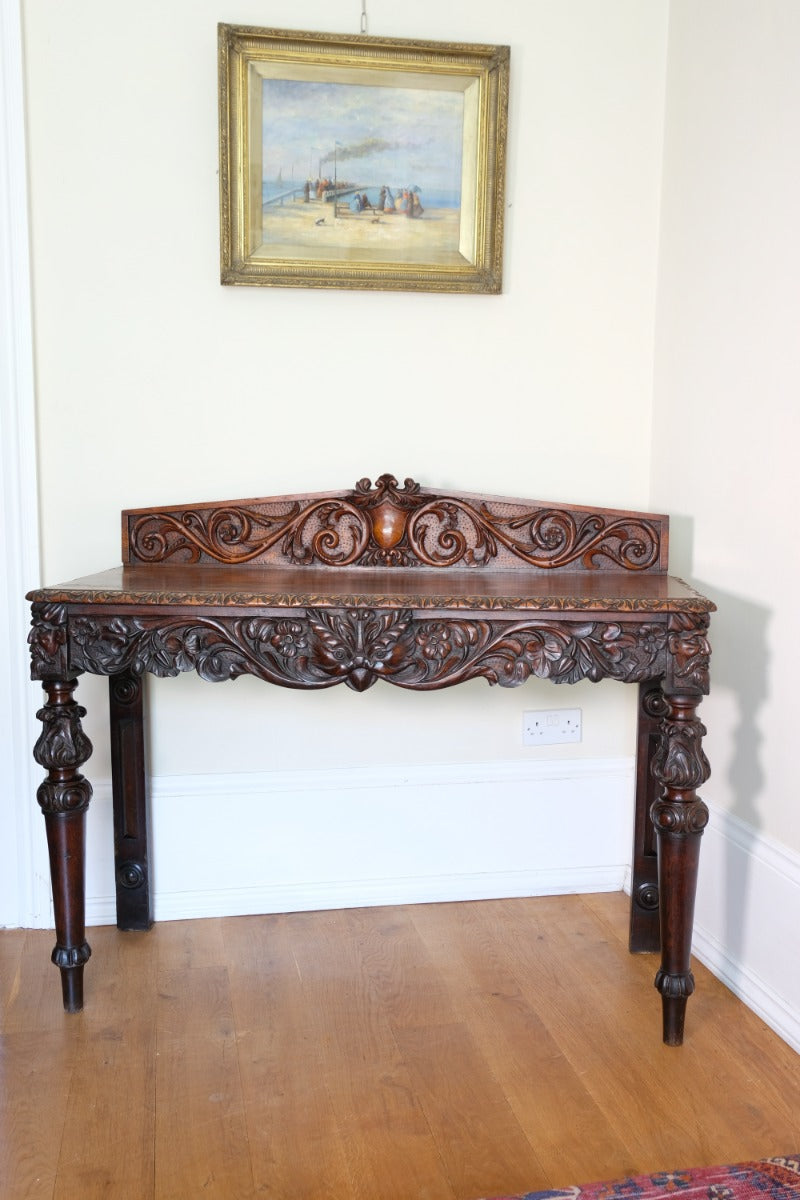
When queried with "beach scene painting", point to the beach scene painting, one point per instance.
{"points": [[350, 161], [355, 171]]}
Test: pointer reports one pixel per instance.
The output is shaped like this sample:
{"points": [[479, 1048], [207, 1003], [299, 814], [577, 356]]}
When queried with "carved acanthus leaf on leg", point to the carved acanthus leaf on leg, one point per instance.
{"points": [[64, 797], [62, 747]]}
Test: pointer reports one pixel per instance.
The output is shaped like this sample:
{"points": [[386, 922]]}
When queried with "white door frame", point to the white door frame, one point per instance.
{"points": [[24, 882]]}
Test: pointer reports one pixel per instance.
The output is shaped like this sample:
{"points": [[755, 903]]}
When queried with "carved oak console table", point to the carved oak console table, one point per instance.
{"points": [[396, 583]]}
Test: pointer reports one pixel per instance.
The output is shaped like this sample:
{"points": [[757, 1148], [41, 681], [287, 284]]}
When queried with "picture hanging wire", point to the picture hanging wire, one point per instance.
{"points": [[363, 16]]}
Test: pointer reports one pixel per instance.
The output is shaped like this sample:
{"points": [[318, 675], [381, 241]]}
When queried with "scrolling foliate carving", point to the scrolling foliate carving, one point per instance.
{"points": [[392, 526], [554, 538], [509, 654], [319, 650], [232, 534], [324, 647]]}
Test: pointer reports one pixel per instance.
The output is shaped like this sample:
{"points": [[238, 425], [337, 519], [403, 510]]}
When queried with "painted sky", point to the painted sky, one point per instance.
{"points": [[397, 136]]}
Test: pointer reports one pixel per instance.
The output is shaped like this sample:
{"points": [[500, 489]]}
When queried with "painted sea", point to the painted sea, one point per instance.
{"points": [[272, 189]]}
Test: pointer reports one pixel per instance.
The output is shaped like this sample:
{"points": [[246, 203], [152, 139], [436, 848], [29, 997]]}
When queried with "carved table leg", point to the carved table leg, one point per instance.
{"points": [[644, 936], [679, 817], [131, 834], [64, 797]]}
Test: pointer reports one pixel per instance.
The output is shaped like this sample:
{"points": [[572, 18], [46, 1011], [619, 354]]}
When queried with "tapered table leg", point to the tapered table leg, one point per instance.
{"points": [[64, 796], [679, 817]]}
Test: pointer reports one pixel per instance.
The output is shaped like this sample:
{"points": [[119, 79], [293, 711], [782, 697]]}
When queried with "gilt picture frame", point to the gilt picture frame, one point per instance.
{"points": [[361, 162]]}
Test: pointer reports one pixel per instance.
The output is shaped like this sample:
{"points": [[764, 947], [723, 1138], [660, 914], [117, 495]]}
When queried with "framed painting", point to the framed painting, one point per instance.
{"points": [[361, 162]]}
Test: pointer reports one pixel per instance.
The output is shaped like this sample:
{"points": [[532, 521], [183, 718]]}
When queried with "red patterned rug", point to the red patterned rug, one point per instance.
{"points": [[768, 1179]]}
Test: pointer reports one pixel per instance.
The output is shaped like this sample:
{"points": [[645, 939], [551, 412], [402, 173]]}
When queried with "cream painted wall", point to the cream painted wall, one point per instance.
{"points": [[727, 381], [155, 384]]}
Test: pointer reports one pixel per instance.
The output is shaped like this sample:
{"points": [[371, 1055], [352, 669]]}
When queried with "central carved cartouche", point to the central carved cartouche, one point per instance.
{"points": [[387, 508], [388, 526]]}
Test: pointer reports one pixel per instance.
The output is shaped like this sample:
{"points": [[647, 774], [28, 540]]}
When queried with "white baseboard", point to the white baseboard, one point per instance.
{"points": [[747, 917], [370, 893], [301, 840]]}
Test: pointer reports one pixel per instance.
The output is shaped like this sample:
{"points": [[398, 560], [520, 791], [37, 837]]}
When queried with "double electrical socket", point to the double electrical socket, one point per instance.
{"points": [[549, 726]]}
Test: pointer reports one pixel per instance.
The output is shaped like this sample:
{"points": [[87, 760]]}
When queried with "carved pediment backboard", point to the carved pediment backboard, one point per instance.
{"points": [[386, 524]]}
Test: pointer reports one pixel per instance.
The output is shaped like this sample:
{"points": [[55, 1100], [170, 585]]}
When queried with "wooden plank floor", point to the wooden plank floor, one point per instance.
{"points": [[433, 1052]]}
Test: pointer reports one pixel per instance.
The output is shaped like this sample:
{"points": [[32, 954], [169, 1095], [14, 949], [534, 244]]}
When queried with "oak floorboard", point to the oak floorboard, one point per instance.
{"points": [[38, 1050], [546, 1093], [477, 1136], [12, 944], [295, 1148], [201, 1142], [35, 1075], [663, 1102], [624, 1067], [402, 978], [382, 1126], [483, 1148]]}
